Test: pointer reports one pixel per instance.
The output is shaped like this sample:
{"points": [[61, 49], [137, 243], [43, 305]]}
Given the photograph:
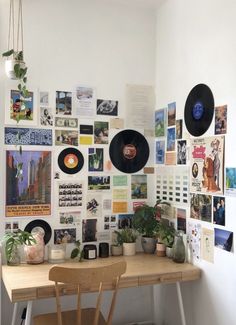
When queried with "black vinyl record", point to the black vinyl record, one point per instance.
{"points": [[129, 151], [33, 225], [199, 110], [70, 161]]}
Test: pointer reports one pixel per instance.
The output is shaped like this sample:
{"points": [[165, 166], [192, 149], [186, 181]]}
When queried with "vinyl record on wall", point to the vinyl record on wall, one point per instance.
{"points": [[42, 225], [129, 151], [70, 160], [199, 110]]}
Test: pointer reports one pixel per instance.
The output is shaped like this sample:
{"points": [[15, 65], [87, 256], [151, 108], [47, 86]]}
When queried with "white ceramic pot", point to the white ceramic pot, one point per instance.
{"points": [[129, 249], [160, 249], [169, 252], [9, 68]]}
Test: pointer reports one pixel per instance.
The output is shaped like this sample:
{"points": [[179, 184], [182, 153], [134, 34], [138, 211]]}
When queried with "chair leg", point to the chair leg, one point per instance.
{"points": [[28, 313], [181, 305], [13, 320]]}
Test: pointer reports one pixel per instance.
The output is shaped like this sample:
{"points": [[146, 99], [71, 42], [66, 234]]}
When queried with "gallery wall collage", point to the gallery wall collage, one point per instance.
{"points": [[73, 168], [199, 183]]}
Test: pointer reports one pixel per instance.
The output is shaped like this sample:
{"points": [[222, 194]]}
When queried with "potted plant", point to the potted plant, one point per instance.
{"points": [[77, 252], [12, 241], [128, 238], [145, 221], [116, 246], [166, 234]]}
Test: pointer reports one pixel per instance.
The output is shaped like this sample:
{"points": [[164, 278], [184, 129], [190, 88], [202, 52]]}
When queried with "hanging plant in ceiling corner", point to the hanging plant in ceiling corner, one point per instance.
{"points": [[15, 66]]}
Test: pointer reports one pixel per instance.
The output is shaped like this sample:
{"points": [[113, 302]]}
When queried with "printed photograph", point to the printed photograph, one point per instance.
{"points": [[171, 113], [28, 191], [101, 132], [181, 219], [221, 119], [219, 210], [67, 122], [160, 152], [43, 98], [70, 218], [64, 102], [223, 239], [64, 236], [181, 152], [66, 138], [70, 194], [98, 183], [89, 230], [231, 181], [179, 129], [21, 108], [95, 159], [94, 205], [46, 116], [139, 186], [125, 221], [201, 207], [160, 123], [107, 107], [170, 139]]}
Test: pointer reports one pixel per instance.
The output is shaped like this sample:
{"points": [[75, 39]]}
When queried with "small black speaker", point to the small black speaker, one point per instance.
{"points": [[103, 250]]}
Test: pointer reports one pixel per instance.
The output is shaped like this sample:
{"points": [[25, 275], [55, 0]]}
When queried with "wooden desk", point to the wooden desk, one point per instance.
{"points": [[30, 282]]}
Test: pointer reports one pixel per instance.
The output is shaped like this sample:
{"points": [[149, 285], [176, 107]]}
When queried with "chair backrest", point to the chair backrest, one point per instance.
{"points": [[88, 279]]}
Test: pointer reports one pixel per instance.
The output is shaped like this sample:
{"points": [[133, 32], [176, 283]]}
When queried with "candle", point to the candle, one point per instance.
{"points": [[56, 253]]}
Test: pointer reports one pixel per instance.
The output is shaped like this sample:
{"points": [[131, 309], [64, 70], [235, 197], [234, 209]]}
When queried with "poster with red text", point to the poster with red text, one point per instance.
{"points": [[207, 165]]}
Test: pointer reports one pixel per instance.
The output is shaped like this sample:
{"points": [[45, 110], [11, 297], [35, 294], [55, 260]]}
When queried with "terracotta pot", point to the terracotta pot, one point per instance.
{"points": [[161, 249]]}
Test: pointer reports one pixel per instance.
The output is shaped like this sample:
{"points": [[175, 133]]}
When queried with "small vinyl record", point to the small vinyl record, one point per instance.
{"points": [[129, 151], [199, 110], [70, 160], [42, 225]]}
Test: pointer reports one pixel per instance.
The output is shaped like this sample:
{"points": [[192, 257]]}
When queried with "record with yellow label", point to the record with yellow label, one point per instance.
{"points": [[70, 161]]}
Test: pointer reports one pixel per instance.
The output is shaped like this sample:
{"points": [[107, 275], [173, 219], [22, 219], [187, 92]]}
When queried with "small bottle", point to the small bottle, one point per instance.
{"points": [[179, 249]]}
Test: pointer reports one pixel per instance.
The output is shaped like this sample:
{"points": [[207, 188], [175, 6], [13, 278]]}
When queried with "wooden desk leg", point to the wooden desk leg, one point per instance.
{"points": [[13, 320], [181, 305], [28, 313]]}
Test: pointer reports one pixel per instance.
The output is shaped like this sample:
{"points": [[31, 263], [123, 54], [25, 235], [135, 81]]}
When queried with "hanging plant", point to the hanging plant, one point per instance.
{"points": [[16, 68]]}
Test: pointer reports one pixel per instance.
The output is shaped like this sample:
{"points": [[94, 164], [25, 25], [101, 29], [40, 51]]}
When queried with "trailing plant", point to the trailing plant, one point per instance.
{"points": [[77, 252], [13, 240]]}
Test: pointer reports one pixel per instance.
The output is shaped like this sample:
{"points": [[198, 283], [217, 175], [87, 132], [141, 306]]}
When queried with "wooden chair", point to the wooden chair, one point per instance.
{"points": [[86, 280]]}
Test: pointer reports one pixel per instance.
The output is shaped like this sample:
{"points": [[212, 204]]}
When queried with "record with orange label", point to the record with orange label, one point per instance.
{"points": [[70, 161], [129, 151]]}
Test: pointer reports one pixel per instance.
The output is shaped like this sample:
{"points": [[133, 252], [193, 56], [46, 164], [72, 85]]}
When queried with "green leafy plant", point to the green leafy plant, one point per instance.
{"points": [[77, 252], [127, 235], [13, 240], [166, 233], [145, 221], [20, 70], [117, 241]]}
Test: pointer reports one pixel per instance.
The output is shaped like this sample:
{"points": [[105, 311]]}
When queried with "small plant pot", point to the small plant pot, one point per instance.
{"points": [[169, 252], [9, 68], [161, 249], [116, 250], [129, 249], [148, 244], [15, 257]]}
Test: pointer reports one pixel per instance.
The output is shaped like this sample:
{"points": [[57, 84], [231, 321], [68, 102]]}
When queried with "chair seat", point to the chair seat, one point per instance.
{"points": [[69, 318]]}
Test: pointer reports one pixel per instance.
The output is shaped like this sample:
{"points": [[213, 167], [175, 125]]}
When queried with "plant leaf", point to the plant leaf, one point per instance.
{"points": [[8, 53], [74, 253]]}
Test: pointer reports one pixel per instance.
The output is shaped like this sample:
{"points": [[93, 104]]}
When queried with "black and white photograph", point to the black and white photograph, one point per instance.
{"points": [[43, 98], [67, 122], [181, 152], [70, 194], [46, 116], [66, 137], [94, 205], [107, 107]]}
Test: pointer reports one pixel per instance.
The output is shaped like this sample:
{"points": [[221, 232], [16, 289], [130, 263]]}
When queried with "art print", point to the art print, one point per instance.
{"points": [[201, 207], [28, 191], [139, 187], [194, 237], [221, 119], [89, 230], [107, 107], [179, 129], [46, 116], [64, 236], [219, 210], [26, 136], [95, 159], [160, 152], [101, 132], [70, 218], [125, 221], [63, 102], [98, 183], [94, 205], [223, 239], [171, 113], [207, 165], [66, 138], [181, 152], [207, 245], [85, 101], [160, 122], [231, 181], [170, 139]]}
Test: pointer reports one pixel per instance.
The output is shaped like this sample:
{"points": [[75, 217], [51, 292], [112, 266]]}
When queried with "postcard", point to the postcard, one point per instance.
{"points": [[66, 138], [125, 221], [170, 139], [98, 183], [120, 180], [160, 152], [94, 205], [194, 237], [27, 136], [231, 181], [223, 239], [85, 129], [89, 230], [117, 123], [170, 158], [221, 119], [85, 140], [101, 132], [207, 245], [160, 122], [171, 113], [63, 102], [107, 107], [181, 152], [120, 207], [219, 210], [85, 101], [46, 116], [179, 129], [70, 218], [139, 186], [43, 98], [201, 207], [64, 236], [95, 159], [66, 122], [120, 194]]}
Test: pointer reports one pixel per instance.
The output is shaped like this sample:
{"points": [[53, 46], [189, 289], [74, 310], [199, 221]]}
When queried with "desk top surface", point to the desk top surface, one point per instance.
{"points": [[29, 282]]}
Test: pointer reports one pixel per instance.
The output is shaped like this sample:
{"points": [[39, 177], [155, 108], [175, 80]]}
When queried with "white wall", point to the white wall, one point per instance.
{"points": [[90, 42], [196, 43]]}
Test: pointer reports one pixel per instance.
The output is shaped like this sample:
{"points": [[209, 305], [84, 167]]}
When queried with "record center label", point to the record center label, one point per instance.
{"points": [[198, 110], [71, 161], [129, 151]]}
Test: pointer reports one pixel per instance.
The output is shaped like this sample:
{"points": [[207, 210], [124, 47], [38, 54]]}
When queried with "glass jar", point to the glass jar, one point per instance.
{"points": [[179, 249], [15, 257], [56, 253], [34, 254]]}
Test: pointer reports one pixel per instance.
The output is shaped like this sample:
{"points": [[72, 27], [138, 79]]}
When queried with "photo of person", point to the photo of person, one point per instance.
{"points": [[66, 137], [101, 132], [139, 186], [46, 118], [219, 210], [125, 221], [64, 236]]}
